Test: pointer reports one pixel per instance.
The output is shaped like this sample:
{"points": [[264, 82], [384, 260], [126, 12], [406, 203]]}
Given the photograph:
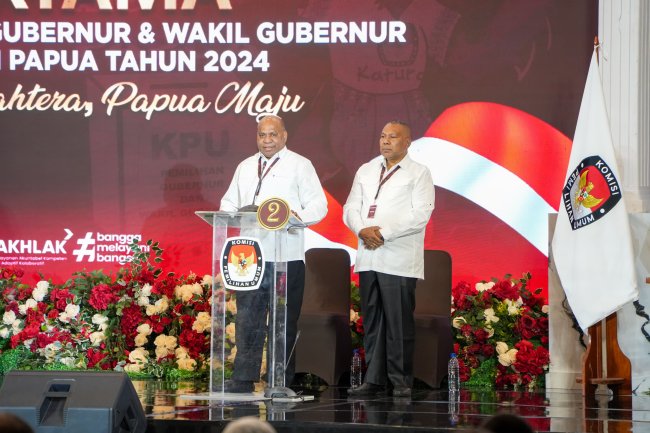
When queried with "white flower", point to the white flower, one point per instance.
{"points": [[97, 337], [29, 304], [101, 321], [458, 322], [545, 309], [68, 361], [9, 317], [489, 330], [141, 340], [506, 357], [40, 291], [203, 322], [64, 317], [354, 316], [138, 358], [513, 306], [481, 287], [181, 353], [165, 344], [145, 329], [230, 332], [501, 347], [187, 291], [143, 301], [207, 280], [139, 355], [17, 326], [4, 332], [146, 290], [233, 354], [51, 350], [159, 307], [490, 316], [187, 364], [72, 310]]}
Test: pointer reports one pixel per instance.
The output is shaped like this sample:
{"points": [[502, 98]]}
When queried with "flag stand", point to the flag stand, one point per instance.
{"points": [[618, 376]]}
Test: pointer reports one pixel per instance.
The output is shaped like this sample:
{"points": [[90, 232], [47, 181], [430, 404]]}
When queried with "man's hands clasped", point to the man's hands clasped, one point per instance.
{"points": [[371, 237]]}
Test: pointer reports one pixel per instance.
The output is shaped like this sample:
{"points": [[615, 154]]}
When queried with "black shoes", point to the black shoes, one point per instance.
{"points": [[367, 389], [239, 386], [370, 389], [401, 391]]}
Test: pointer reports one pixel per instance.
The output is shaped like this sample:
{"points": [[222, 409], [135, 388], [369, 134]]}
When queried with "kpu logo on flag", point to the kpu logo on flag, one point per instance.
{"points": [[242, 263], [590, 192]]}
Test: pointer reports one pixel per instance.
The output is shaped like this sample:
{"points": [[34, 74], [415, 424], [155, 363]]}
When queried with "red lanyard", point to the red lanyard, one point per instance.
{"points": [[383, 180], [261, 174]]}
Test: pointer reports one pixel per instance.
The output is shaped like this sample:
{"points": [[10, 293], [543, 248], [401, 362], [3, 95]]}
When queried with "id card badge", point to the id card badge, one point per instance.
{"points": [[371, 211]]}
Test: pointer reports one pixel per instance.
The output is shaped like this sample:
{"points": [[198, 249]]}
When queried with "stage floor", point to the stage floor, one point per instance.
{"points": [[550, 410]]}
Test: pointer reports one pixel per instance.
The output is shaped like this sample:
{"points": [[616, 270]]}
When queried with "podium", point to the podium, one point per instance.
{"points": [[246, 255]]}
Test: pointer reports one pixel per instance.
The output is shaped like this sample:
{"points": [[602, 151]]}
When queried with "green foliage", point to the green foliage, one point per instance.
{"points": [[485, 375], [13, 359]]}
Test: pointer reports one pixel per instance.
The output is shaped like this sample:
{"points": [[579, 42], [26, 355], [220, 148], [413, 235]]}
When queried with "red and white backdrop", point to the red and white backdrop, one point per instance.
{"points": [[121, 118]]}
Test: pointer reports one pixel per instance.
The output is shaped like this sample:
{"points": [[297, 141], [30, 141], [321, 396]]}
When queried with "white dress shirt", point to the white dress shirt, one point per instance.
{"points": [[404, 206], [293, 179]]}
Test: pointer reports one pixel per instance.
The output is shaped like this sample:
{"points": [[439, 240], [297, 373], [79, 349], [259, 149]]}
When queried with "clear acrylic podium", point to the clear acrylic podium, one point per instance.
{"points": [[230, 228]]}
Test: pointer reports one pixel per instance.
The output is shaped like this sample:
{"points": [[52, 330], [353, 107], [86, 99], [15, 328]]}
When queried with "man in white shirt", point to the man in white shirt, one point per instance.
{"points": [[274, 171], [390, 203]]}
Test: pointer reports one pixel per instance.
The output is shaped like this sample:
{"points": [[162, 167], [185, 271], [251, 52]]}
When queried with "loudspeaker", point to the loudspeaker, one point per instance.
{"points": [[73, 402]]}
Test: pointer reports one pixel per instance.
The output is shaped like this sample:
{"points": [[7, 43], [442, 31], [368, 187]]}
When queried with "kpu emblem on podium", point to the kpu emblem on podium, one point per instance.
{"points": [[242, 263]]}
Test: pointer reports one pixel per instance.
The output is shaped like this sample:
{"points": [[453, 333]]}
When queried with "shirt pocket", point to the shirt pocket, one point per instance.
{"points": [[282, 181], [395, 191]]}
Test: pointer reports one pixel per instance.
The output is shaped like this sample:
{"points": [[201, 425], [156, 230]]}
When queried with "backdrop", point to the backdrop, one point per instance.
{"points": [[121, 118]]}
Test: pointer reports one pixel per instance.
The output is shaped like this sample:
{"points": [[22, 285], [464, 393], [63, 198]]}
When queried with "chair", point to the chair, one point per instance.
{"points": [[325, 344], [433, 337]]}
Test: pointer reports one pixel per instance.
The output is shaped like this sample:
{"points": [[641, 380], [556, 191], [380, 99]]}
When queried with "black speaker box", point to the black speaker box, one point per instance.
{"points": [[73, 402]]}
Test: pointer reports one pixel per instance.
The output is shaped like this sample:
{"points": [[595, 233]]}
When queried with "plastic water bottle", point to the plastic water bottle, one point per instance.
{"points": [[355, 370], [453, 376], [453, 408]]}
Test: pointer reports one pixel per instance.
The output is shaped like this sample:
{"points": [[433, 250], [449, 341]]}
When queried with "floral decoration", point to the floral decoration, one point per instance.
{"points": [[500, 333], [139, 321], [154, 325]]}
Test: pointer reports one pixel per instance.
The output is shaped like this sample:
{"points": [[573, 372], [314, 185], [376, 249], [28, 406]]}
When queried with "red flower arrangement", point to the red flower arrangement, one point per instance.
{"points": [[138, 321], [500, 333]]}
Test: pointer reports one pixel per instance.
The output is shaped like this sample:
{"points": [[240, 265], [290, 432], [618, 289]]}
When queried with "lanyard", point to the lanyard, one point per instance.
{"points": [[383, 180], [261, 174]]}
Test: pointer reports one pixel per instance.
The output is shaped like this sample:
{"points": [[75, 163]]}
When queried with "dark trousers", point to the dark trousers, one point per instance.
{"points": [[387, 306], [251, 325]]}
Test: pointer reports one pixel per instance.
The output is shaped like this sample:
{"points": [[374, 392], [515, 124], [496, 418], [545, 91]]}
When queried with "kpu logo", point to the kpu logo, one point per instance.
{"points": [[242, 263], [590, 192]]}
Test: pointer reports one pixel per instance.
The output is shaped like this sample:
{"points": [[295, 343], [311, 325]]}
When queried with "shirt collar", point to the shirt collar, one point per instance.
{"points": [[282, 153], [403, 163]]}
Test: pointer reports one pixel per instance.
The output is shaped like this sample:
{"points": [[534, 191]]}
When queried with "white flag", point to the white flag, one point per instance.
{"points": [[592, 245]]}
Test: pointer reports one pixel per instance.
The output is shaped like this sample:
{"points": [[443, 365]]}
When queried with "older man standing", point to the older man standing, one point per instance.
{"points": [[390, 203], [274, 171]]}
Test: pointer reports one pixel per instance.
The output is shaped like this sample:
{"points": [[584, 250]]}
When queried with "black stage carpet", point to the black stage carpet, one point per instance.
{"points": [[552, 410]]}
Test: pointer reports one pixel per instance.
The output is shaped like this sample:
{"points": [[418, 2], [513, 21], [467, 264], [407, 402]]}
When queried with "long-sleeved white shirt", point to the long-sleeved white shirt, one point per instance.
{"points": [[293, 179], [404, 206]]}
